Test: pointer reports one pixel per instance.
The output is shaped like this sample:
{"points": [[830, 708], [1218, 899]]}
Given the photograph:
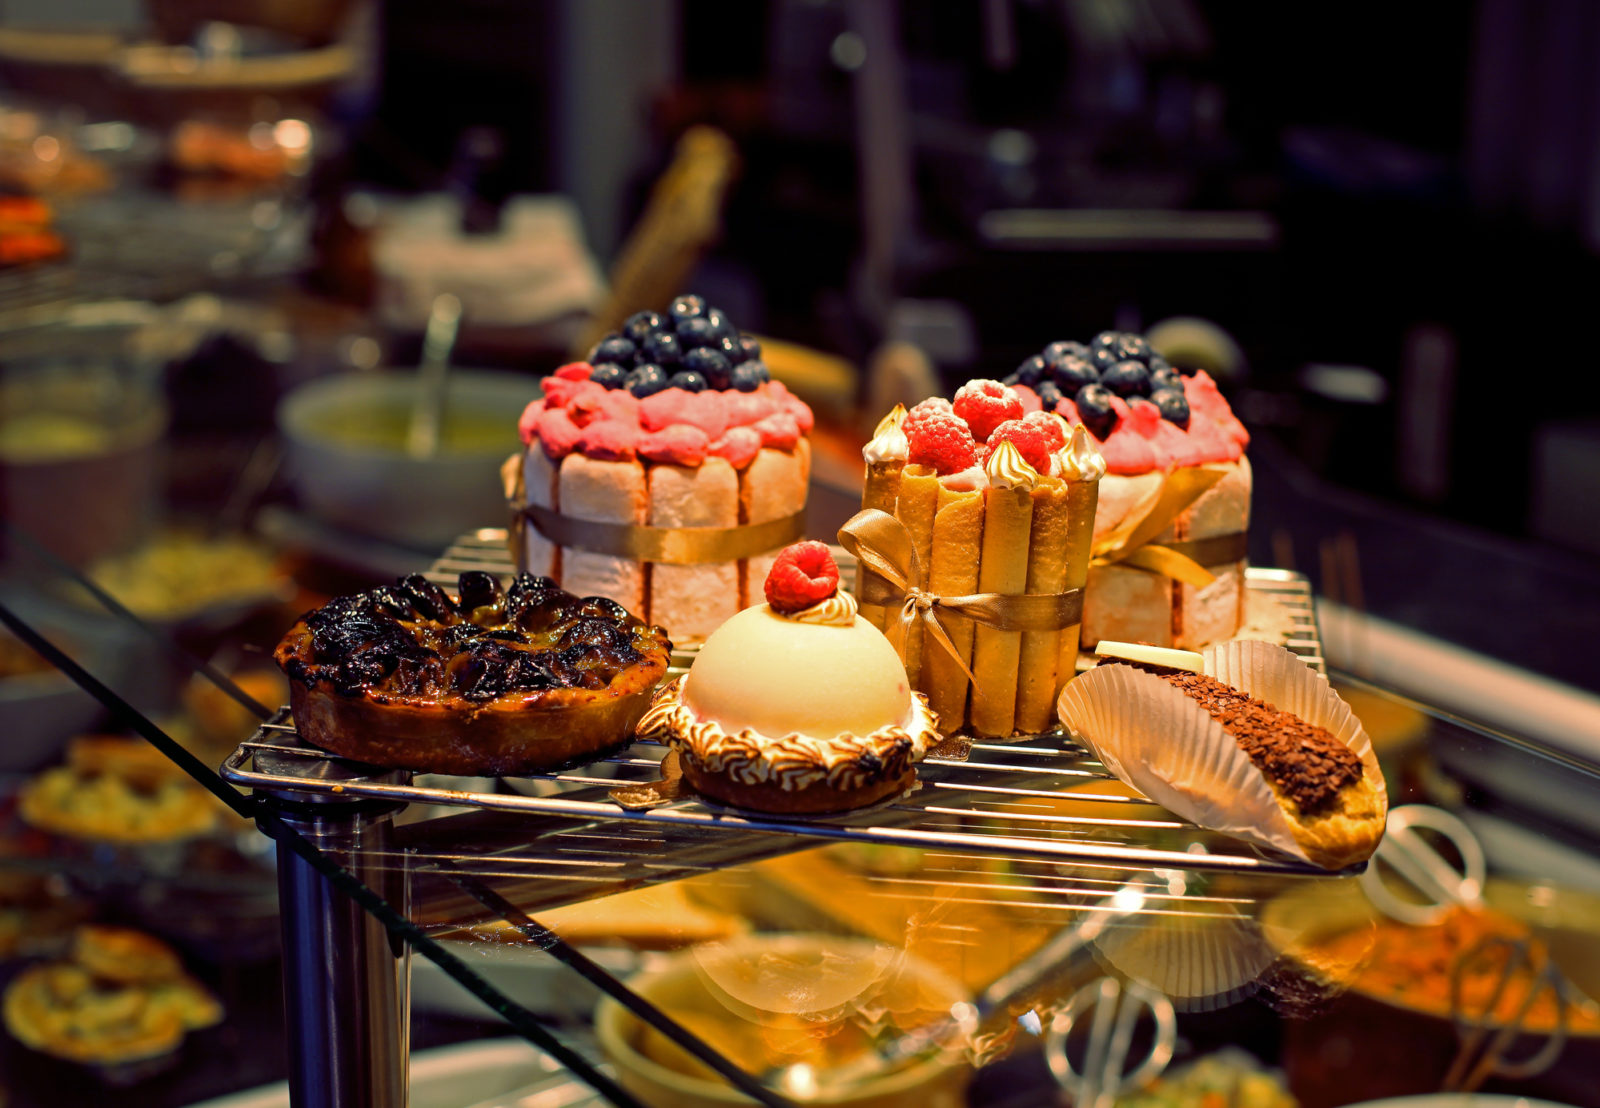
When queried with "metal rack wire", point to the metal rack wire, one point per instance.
{"points": [[1041, 798]]}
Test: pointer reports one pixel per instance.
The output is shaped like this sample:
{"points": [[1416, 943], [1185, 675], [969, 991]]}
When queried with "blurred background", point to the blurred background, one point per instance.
{"points": [[227, 226]]}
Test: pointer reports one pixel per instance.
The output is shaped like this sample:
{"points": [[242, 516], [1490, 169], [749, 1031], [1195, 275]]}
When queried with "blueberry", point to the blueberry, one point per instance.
{"points": [[1129, 347], [729, 348], [1127, 379], [1165, 378], [1103, 358], [1173, 405], [612, 348], [1058, 350], [688, 380], [1049, 394], [663, 348], [1031, 371], [686, 307], [1071, 373], [751, 348], [609, 374], [697, 331], [646, 380], [1156, 361], [721, 324], [746, 376], [1094, 407], [709, 364], [761, 369], [640, 325]]}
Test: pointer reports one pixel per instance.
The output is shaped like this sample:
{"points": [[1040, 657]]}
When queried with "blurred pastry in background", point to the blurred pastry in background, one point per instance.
{"points": [[40, 156], [26, 231], [220, 720], [180, 575], [657, 917], [258, 151], [34, 914], [118, 790], [120, 998]]}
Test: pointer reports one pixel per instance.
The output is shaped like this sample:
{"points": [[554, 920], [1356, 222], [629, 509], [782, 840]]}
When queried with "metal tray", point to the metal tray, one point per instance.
{"points": [[1041, 797]]}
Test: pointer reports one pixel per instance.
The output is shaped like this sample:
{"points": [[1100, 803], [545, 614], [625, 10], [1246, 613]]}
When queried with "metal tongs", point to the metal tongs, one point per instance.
{"points": [[1438, 886], [1114, 1010]]}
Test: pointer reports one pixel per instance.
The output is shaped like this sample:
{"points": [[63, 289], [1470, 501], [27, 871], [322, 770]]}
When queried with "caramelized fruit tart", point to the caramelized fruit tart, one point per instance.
{"points": [[500, 681]]}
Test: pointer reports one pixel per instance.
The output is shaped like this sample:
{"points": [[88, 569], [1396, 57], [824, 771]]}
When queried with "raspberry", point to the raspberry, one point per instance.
{"points": [[985, 405], [941, 440], [1033, 442], [922, 411], [1028, 398], [802, 575], [1054, 427], [574, 371]]}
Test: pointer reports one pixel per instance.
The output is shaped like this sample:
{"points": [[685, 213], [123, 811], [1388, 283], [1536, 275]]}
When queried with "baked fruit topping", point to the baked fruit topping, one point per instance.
{"points": [[494, 681]]}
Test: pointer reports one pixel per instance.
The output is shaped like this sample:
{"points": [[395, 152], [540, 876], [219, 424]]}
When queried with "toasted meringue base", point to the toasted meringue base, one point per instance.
{"points": [[796, 773], [772, 798]]}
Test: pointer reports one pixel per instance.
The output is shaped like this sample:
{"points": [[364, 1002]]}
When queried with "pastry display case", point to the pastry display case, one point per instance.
{"points": [[1021, 922]]}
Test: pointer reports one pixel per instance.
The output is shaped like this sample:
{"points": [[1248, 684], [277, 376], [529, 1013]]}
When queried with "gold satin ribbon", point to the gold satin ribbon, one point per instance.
{"points": [[895, 579], [677, 546], [1131, 544]]}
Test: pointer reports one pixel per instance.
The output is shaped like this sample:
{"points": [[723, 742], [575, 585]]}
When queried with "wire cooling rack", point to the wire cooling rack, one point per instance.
{"points": [[1041, 797]]}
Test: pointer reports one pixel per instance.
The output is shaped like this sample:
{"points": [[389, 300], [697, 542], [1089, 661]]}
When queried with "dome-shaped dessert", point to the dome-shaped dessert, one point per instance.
{"points": [[796, 705], [762, 671]]}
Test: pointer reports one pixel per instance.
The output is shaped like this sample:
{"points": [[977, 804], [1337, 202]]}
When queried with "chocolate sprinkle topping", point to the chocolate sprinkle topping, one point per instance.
{"points": [[1304, 761]]}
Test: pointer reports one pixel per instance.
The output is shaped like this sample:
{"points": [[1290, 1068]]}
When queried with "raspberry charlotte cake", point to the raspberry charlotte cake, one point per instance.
{"points": [[496, 682], [664, 472], [796, 705], [996, 499], [1165, 433]]}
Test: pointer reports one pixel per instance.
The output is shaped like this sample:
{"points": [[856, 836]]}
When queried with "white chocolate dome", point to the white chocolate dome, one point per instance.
{"points": [[777, 677]]}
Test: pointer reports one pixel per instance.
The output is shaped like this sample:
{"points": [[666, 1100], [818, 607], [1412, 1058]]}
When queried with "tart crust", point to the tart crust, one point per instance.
{"points": [[516, 732]]}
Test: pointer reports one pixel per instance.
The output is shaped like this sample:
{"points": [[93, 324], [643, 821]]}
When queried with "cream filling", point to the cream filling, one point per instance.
{"points": [[1007, 469], [888, 441], [839, 610], [794, 761], [1079, 459]]}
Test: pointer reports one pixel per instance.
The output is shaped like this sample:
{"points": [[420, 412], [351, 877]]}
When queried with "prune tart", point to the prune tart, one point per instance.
{"points": [[499, 681]]}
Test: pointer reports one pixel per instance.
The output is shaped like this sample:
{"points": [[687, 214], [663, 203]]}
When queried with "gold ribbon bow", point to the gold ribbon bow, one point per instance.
{"points": [[1130, 544], [896, 579]]}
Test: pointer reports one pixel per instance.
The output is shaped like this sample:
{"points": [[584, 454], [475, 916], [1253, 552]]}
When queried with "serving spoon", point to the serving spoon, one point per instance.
{"points": [[433, 376]]}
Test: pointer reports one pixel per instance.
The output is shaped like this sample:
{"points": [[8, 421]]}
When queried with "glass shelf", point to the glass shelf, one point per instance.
{"points": [[1016, 874]]}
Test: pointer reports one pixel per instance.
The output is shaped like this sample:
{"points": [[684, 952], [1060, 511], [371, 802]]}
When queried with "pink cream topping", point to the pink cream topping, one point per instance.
{"points": [[1142, 441], [673, 426]]}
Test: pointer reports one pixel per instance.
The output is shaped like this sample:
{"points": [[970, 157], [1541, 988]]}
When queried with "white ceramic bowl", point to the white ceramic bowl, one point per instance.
{"points": [[347, 461]]}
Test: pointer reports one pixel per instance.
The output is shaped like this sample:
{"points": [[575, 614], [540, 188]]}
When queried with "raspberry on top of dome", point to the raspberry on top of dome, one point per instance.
{"points": [[803, 575]]}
